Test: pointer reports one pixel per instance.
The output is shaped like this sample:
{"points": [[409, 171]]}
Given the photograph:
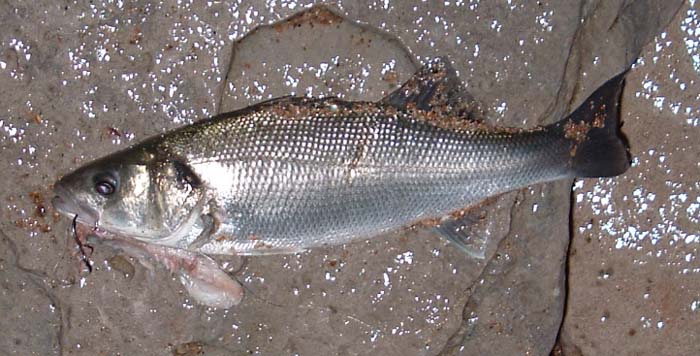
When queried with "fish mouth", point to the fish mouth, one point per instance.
{"points": [[72, 209]]}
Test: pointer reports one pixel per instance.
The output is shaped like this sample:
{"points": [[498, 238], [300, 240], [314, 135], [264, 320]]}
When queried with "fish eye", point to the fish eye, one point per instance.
{"points": [[106, 184]]}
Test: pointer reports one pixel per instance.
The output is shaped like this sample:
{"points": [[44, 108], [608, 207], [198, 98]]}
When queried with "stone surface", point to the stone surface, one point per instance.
{"points": [[633, 285], [31, 315], [78, 81], [315, 53]]}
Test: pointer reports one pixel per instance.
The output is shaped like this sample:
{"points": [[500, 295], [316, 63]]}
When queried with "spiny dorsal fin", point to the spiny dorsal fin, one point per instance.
{"points": [[435, 87]]}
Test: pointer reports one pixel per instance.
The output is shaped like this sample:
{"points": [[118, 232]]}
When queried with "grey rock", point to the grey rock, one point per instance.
{"points": [[78, 81]]}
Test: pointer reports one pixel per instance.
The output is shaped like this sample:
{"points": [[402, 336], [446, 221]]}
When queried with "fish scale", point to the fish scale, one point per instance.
{"points": [[325, 178]]}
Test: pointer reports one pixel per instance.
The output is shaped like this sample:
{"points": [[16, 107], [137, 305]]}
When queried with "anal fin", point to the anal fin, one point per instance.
{"points": [[477, 230], [464, 233]]}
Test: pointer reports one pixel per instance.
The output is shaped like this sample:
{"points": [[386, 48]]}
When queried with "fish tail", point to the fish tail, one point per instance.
{"points": [[597, 147]]}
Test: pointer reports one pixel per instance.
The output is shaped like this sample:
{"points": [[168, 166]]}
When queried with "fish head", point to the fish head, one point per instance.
{"points": [[133, 194]]}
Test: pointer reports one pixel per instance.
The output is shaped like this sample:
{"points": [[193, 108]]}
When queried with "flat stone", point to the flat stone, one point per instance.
{"points": [[80, 81], [633, 264]]}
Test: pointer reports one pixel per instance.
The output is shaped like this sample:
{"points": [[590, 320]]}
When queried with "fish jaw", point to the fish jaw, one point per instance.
{"points": [[206, 283], [65, 205]]}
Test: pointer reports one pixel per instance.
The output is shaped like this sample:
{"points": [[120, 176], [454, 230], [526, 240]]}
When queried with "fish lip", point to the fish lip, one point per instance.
{"points": [[65, 205]]}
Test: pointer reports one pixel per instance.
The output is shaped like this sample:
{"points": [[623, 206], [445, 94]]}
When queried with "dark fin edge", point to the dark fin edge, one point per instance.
{"points": [[598, 148]]}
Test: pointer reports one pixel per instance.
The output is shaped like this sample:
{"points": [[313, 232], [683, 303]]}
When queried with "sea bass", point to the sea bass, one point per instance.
{"points": [[294, 173]]}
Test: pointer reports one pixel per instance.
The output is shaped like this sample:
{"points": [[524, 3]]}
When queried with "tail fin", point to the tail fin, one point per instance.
{"points": [[597, 146]]}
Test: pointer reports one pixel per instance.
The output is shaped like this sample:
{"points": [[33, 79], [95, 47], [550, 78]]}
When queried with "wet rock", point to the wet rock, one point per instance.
{"points": [[189, 349], [122, 264], [632, 268], [31, 318], [88, 71], [608, 39], [516, 307], [317, 52]]}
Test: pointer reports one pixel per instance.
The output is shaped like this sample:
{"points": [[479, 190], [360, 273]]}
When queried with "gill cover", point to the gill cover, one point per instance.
{"points": [[132, 194], [155, 202]]}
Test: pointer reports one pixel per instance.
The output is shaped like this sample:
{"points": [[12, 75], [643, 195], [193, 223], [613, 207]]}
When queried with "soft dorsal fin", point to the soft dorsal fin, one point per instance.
{"points": [[435, 87]]}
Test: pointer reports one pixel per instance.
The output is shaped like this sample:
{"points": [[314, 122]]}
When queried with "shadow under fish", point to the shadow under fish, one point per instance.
{"points": [[293, 173]]}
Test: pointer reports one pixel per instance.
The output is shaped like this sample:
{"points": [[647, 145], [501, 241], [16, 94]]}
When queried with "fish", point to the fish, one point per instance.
{"points": [[295, 173]]}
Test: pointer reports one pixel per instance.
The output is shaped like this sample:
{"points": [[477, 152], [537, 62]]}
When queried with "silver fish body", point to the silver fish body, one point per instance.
{"points": [[295, 173], [301, 173]]}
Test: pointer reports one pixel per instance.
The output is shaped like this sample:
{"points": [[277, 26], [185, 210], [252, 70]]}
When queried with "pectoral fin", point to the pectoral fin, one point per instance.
{"points": [[209, 285], [199, 274]]}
